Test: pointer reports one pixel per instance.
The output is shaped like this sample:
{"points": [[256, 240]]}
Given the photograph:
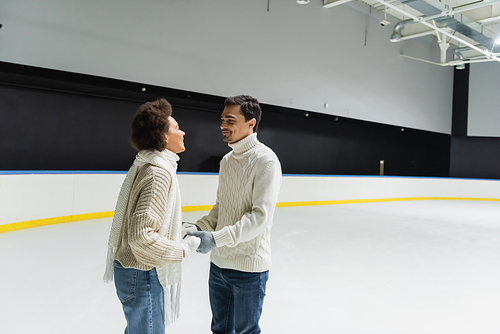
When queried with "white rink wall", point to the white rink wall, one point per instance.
{"points": [[26, 197]]}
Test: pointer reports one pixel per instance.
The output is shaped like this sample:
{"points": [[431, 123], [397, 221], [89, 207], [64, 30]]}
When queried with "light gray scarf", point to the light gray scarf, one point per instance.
{"points": [[170, 274]]}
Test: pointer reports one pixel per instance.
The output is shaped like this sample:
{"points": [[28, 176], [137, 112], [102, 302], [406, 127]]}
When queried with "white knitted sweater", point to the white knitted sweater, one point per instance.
{"points": [[140, 245], [146, 228], [242, 217]]}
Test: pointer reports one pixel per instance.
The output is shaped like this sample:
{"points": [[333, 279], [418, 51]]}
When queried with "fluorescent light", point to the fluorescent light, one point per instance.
{"points": [[303, 2]]}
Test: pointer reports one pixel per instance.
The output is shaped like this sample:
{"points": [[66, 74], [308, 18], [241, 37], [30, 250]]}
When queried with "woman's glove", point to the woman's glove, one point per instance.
{"points": [[190, 244], [207, 241]]}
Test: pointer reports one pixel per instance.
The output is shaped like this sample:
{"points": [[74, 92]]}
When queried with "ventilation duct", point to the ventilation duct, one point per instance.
{"points": [[458, 54], [398, 28], [456, 21]]}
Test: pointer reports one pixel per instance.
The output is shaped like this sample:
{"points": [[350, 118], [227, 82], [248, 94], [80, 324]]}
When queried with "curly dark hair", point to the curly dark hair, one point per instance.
{"points": [[249, 107], [150, 125]]}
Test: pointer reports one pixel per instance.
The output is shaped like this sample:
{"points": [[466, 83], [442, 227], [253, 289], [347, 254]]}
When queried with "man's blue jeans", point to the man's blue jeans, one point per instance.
{"points": [[236, 299], [142, 299]]}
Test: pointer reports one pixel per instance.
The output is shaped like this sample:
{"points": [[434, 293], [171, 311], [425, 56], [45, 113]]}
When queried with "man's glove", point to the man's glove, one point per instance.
{"points": [[190, 244], [186, 226], [207, 241]]}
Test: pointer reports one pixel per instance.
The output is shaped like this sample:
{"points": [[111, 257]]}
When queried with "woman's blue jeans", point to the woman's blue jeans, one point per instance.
{"points": [[236, 299], [142, 299]]}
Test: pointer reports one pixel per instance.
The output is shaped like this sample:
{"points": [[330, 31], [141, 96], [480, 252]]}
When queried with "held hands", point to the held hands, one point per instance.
{"points": [[207, 240], [186, 226], [190, 244]]}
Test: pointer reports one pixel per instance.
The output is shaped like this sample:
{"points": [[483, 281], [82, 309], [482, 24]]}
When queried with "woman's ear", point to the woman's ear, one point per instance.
{"points": [[166, 139]]}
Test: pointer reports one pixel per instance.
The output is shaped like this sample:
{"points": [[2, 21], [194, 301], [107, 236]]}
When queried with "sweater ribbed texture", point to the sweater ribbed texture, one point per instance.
{"points": [[140, 245], [242, 218]]}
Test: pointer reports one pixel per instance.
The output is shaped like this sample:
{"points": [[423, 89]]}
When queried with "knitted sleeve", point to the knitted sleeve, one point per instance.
{"points": [[266, 188], [209, 222], [146, 220]]}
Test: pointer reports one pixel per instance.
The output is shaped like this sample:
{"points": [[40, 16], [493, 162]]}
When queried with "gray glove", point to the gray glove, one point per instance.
{"points": [[186, 226], [207, 241]]}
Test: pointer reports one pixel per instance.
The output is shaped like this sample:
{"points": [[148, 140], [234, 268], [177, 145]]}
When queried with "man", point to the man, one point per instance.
{"points": [[238, 228]]}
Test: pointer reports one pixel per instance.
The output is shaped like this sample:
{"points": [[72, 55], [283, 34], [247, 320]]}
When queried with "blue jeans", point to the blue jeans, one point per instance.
{"points": [[236, 299], [142, 299]]}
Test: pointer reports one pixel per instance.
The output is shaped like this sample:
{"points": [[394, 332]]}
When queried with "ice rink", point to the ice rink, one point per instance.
{"points": [[414, 267]]}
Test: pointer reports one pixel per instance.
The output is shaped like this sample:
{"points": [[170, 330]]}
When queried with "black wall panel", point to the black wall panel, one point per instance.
{"points": [[43, 130], [470, 157], [321, 144], [475, 157], [460, 101], [53, 120]]}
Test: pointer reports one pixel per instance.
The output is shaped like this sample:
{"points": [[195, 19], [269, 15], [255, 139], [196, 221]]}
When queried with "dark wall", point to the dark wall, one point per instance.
{"points": [[44, 130], [475, 157], [53, 120], [322, 144], [470, 157], [460, 101]]}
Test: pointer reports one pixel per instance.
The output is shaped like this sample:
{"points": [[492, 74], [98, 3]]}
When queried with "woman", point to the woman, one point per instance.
{"points": [[145, 248]]}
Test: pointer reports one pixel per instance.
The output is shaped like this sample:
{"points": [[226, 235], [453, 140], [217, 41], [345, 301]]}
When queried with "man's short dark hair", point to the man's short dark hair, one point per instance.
{"points": [[150, 125], [249, 107]]}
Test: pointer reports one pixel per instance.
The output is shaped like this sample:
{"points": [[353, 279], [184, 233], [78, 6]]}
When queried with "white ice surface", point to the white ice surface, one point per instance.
{"points": [[419, 267]]}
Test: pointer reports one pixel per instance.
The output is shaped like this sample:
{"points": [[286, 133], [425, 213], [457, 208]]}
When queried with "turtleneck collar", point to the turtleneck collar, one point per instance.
{"points": [[245, 144]]}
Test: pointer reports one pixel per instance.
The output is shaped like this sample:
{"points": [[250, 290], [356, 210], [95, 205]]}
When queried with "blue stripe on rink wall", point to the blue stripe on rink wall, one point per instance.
{"points": [[31, 172], [63, 172], [42, 172]]}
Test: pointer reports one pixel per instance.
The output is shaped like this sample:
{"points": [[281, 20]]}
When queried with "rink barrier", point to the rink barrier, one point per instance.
{"points": [[38, 198], [72, 218], [52, 221]]}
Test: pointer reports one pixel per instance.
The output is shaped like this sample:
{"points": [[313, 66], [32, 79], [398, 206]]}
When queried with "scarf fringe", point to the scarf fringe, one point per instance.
{"points": [[109, 272], [172, 303]]}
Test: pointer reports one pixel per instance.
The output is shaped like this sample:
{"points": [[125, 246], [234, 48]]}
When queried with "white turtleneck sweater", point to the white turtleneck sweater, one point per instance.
{"points": [[242, 217]]}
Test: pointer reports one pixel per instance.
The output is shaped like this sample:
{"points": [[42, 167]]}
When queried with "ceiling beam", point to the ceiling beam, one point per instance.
{"points": [[333, 3]]}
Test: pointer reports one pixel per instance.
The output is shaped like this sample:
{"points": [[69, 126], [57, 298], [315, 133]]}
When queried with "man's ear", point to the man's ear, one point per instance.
{"points": [[252, 122]]}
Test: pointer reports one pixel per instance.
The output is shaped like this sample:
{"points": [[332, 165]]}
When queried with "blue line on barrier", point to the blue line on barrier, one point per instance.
{"points": [[56, 172], [197, 173], [379, 176]]}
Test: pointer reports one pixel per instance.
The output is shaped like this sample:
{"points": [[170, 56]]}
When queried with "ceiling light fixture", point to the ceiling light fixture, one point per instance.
{"points": [[303, 2]]}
